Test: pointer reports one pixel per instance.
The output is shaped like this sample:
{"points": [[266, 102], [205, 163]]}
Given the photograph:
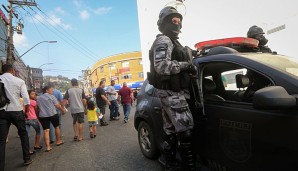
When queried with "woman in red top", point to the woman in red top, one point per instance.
{"points": [[32, 119]]}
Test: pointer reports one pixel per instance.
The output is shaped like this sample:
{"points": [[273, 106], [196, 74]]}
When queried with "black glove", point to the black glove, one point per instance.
{"points": [[191, 53], [192, 69]]}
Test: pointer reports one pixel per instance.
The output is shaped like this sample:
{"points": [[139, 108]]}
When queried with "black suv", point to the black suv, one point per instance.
{"points": [[251, 111]]}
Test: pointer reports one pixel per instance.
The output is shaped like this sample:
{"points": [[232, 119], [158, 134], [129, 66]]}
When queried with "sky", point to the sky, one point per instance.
{"points": [[216, 19], [85, 31], [88, 30]]}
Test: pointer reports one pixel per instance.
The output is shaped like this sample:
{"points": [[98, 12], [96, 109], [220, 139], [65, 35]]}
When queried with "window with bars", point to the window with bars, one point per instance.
{"points": [[126, 76]]}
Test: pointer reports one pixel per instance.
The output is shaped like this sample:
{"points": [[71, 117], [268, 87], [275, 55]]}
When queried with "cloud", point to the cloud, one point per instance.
{"points": [[52, 19], [84, 15], [20, 40], [102, 10], [59, 10], [78, 4]]}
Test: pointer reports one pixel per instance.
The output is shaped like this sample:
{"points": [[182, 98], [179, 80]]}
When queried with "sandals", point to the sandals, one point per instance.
{"points": [[48, 150], [75, 138], [62, 142], [37, 147]]}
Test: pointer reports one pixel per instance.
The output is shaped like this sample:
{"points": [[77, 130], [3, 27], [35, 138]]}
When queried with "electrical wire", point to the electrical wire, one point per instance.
{"points": [[80, 44], [49, 24], [75, 41]]}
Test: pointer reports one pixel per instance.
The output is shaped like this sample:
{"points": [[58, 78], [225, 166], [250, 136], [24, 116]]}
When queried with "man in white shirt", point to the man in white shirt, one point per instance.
{"points": [[13, 113], [112, 96]]}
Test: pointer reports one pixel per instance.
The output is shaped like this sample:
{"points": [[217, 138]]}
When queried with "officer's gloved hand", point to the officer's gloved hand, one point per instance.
{"points": [[192, 69]]}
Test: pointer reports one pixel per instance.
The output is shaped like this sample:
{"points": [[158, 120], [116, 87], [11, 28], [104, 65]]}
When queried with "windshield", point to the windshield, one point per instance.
{"points": [[284, 63]]}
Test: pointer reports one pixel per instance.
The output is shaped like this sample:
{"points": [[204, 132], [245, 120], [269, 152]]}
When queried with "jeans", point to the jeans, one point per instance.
{"points": [[52, 129], [114, 109], [126, 110], [102, 110], [18, 119]]}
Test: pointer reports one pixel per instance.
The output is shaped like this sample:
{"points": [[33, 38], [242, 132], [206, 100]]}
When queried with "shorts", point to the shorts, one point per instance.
{"points": [[78, 117], [34, 123], [92, 123], [45, 122]]}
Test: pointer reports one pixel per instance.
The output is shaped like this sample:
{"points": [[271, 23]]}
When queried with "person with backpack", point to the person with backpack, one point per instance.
{"points": [[170, 73], [12, 113]]}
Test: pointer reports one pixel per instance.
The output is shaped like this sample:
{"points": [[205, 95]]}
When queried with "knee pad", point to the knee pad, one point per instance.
{"points": [[185, 136]]}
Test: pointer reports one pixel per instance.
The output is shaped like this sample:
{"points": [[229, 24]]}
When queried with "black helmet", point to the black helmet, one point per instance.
{"points": [[254, 30], [166, 11]]}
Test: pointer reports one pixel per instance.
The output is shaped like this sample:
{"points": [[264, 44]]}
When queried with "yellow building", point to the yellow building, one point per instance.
{"points": [[124, 67]]}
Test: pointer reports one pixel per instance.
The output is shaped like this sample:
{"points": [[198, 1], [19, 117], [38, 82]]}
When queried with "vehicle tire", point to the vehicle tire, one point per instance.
{"points": [[147, 141]]}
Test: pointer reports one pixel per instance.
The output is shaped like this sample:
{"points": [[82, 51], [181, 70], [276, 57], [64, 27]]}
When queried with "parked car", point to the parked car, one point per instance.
{"points": [[251, 111]]}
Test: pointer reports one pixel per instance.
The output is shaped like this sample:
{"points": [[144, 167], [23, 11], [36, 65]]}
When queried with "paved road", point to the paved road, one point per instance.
{"points": [[115, 148]]}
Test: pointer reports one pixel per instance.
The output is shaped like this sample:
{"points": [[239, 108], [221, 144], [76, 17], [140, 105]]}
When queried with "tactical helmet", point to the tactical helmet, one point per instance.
{"points": [[254, 30], [166, 11]]}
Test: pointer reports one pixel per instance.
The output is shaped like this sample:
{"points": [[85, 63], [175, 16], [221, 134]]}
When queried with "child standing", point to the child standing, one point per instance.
{"points": [[92, 114], [32, 119]]}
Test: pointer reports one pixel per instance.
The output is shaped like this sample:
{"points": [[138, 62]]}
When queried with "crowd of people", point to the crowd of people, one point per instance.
{"points": [[27, 110]]}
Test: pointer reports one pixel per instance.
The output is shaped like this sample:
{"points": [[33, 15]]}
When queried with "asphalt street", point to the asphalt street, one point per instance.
{"points": [[115, 148]]}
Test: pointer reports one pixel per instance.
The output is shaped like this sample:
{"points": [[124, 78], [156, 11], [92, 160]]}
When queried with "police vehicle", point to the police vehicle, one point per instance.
{"points": [[250, 119]]}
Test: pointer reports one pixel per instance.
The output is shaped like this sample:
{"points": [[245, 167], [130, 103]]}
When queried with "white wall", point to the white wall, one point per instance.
{"points": [[206, 20]]}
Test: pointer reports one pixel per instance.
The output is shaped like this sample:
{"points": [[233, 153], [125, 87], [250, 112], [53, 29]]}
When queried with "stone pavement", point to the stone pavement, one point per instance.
{"points": [[115, 148]]}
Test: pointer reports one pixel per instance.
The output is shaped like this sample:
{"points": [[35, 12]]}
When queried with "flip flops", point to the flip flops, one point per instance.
{"points": [[37, 147], [48, 150], [62, 142]]}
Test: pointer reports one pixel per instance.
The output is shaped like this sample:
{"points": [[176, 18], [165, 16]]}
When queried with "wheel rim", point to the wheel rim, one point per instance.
{"points": [[145, 140]]}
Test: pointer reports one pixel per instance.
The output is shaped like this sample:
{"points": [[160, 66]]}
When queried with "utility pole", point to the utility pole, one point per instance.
{"points": [[10, 35], [10, 11]]}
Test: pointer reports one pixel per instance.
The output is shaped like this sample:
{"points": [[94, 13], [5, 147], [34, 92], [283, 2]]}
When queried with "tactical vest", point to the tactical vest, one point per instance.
{"points": [[175, 82]]}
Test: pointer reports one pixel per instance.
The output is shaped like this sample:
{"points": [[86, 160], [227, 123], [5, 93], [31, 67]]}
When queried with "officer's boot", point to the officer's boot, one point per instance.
{"points": [[169, 154], [186, 151]]}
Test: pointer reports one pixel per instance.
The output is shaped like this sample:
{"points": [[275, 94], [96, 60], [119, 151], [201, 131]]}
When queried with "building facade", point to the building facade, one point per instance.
{"points": [[124, 67]]}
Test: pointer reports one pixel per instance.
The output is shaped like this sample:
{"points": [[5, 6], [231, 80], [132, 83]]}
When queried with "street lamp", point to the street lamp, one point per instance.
{"points": [[45, 64], [36, 45]]}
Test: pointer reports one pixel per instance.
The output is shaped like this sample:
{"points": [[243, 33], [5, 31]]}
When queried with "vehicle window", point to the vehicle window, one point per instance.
{"points": [[287, 64], [229, 78], [149, 89]]}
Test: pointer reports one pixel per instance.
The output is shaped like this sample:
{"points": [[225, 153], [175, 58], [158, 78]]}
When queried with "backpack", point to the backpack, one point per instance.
{"points": [[3, 98]]}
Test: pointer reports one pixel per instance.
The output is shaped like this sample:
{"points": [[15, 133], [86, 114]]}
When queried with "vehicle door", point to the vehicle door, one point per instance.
{"points": [[237, 136]]}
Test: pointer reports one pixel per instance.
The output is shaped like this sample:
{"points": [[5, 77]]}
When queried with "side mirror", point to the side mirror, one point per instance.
{"points": [[273, 97]]}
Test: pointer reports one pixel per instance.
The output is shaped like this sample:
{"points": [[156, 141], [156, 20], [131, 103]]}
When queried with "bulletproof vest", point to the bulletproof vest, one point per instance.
{"points": [[175, 82], [181, 80]]}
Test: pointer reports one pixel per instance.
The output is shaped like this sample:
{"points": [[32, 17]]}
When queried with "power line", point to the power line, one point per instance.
{"points": [[75, 42], [68, 33], [49, 24]]}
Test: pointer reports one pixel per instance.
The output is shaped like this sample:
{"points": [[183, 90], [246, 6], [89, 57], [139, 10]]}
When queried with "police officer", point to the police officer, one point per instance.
{"points": [[170, 72], [258, 33]]}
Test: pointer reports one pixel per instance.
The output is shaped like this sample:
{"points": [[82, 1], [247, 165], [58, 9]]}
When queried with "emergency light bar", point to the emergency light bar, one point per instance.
{"points": [[239, 41]]}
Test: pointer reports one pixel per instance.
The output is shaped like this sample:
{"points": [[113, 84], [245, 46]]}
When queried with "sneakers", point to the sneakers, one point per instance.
{"points": [[126, 120], [114, 119], [28, 162], [104, 124]]}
